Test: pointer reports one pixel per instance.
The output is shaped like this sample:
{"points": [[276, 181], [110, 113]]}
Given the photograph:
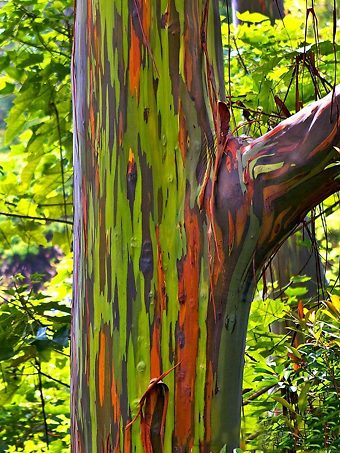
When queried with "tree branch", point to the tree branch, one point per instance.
{"points": [[293, 168]]}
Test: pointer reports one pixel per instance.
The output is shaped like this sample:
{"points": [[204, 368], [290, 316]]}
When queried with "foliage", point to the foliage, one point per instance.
{"points": [[34, 337], [35, 188], [274, 70], [37, 148], [291, 381], [291, 399]]}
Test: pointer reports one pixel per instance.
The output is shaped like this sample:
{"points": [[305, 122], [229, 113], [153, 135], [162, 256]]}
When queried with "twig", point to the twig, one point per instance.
{"points": [[31, 217], [52, 378], [38, 366], [255, 395], [61, 166]]}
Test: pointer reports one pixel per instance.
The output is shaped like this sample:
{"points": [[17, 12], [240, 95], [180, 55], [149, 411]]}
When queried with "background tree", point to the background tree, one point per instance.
{"points": [[271, 8], [164, 279]]}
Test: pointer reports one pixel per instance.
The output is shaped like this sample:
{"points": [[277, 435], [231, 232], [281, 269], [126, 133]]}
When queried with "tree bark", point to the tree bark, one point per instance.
{"points": [[168, 244]]}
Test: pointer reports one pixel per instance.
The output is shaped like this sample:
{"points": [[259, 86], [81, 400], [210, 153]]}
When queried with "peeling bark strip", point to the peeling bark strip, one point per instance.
{"points": [[159, 278], [152, 412]]}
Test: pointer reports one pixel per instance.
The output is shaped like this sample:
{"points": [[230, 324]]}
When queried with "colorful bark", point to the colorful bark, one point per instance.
{"points": [[162, 280]]}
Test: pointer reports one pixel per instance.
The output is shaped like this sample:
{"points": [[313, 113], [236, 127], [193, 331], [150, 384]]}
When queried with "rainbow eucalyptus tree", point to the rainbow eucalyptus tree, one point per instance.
{"points": [[174, 219]]}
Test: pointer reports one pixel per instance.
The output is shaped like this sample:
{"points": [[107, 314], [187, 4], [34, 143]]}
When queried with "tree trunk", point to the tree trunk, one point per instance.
{"points": [[271, 8], [174, 218], [296, 259]]}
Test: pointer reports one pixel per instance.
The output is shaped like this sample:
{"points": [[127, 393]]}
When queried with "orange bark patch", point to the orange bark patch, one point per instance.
{"points": [[218, 259], [279, 219], [187, 334], [262, 5], [155, 350], [327, 141], [146, 18], [127, 440], [182, 132], [116, 410], [188, 68], [134, 61], [159, 308], [131, 163], [89, 17], [241, 219], [101, 368], [96, 47], [266, 227], [270, 194], [91, 109], [131, 157], [300, 309]]}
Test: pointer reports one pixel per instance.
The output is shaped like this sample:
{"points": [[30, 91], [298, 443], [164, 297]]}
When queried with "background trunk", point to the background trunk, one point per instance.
{"points": [[271, 8], [162, 278]]}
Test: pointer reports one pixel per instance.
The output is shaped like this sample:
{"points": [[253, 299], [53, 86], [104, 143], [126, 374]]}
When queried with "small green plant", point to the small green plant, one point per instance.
{"points": [[34, 354], [295, 404]]}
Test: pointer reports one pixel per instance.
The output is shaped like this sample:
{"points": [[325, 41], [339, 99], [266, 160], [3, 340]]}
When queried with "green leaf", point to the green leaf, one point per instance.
{"points": [[251, 17], [294, 351], [7, 89], [16, 122], [8, 393], [296, 291], [303, 397], [284, 403], [6, 351], [61, 337], [32, 59]]}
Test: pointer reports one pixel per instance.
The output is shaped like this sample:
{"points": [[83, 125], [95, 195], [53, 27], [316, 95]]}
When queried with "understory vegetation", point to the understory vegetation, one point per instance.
{"points": [[292, 377]]}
